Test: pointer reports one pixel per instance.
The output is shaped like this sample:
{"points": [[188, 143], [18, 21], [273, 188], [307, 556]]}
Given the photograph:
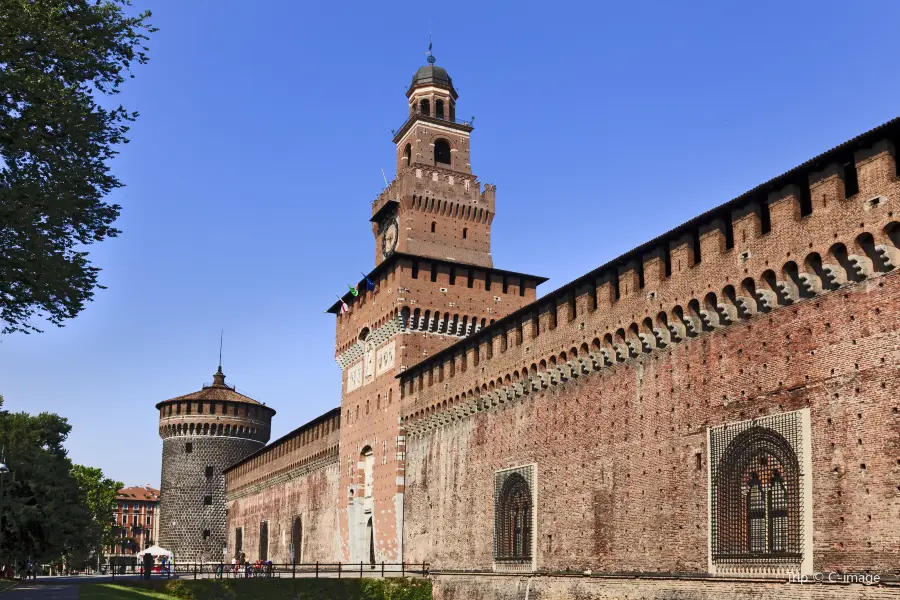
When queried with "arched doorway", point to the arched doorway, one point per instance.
{"points": [[297, 540], [370, 536]]}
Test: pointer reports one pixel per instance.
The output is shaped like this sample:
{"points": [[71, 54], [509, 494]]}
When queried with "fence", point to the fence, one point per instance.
{"points": [[289, 570]]}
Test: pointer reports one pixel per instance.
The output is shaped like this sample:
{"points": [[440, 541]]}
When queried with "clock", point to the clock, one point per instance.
{"points": [[389, 238]]}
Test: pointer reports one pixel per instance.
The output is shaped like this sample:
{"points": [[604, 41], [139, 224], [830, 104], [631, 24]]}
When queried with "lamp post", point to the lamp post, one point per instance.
{"points": [[3, 471]]}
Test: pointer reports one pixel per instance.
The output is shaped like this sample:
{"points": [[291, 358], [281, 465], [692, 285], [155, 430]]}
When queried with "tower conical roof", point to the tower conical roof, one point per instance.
{"points": [[218, 391]]}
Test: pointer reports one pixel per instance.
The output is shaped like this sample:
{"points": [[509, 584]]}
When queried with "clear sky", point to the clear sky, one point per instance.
{"points": [[265, 126]]}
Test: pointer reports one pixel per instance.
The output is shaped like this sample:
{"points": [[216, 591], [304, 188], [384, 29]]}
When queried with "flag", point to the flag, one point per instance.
{"points": [[370, 285], [344, 307], [353, 290]]}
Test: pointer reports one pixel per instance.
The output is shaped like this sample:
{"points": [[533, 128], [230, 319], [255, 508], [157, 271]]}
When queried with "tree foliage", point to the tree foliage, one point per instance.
{"points": [[50, 511], [55, 144], [100, 495]]}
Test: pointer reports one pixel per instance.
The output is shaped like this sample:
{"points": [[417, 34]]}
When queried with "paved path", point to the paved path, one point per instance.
{"points": [[45, 591]]}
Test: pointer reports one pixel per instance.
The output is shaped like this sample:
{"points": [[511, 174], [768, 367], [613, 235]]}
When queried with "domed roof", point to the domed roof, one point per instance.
{"points": [[430, 74], [218, 391]]}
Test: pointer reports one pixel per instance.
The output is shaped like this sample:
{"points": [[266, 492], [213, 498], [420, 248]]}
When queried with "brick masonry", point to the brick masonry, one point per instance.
{"points": [[293, 482], [608, 386], [782, 299], [572, 587]]}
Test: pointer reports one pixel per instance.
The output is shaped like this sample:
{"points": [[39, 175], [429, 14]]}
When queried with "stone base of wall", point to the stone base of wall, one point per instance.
{"points": [[543, 587]]}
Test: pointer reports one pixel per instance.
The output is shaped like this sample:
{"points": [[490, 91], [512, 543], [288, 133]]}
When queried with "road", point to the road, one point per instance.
{"points": [[43, 591]]}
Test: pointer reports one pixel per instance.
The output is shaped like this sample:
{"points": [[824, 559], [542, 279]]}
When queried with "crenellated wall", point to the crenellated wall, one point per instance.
{"points": [[705, 275], [442, 213], [781, 300], [294, 478]]}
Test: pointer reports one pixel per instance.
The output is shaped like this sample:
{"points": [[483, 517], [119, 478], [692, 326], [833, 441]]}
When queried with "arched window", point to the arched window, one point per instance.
{"points": [[425, 107], [442, 152], [439, 109], [514, 519], [433, 226], [465, 232], [407, 155], [757, 504]]}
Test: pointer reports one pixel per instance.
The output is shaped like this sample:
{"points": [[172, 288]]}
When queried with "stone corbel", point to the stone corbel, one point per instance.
{"points": [[889, 255], [812, 286], [677, 329], [648, 342], [836, 274], [862, 264], [788, 290], [727, 313], [767, 298]]}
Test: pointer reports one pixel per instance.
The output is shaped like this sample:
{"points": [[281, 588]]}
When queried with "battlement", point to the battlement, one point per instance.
{"points": [[436, 184], [303, 446], [831, 222], [403, 281]]}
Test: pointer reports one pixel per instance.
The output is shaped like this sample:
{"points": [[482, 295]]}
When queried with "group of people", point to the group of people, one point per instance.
{"points": [[240, 565], [30, 571]]}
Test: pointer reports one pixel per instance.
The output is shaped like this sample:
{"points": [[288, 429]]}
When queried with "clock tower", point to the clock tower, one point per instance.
{"points": [[434, 284], [433, 207]]}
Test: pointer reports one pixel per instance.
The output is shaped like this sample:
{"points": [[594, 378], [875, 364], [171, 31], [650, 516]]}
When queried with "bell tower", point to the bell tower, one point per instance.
{"points": [[433, 284], [434, 207]]}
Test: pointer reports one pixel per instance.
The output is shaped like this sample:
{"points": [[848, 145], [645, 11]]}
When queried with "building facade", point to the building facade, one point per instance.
{"points": [[711, 415], [136, 521], [204, 433]]}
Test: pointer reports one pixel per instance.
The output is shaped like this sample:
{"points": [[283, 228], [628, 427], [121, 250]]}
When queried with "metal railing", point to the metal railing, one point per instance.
{"points": [[468, 122], [280, 570]]}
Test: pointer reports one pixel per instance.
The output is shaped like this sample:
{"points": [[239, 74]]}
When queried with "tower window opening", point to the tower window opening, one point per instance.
{"points": [[188, 448], [407, 154], [465, 232], [439, 109], [209, 471], [442, 152], [207, 500], [425, 107], [851, 180], [433, 226]]}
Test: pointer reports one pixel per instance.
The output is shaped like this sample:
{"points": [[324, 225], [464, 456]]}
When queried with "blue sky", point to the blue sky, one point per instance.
{"points": [[264, 128]]}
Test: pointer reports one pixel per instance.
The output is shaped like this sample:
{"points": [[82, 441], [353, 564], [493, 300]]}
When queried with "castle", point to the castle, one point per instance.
{"points": [[706, 416]]}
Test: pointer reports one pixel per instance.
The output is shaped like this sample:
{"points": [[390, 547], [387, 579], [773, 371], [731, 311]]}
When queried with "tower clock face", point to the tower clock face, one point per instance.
{"points": [[389, 238]]}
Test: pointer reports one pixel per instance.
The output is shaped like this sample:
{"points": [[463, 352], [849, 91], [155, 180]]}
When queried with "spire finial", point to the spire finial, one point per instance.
{"points": [[219, 377], [431, 59]]}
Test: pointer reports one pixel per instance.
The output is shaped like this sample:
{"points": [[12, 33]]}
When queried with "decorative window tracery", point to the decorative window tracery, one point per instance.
{"points": [[514, 515], [757, 493]]}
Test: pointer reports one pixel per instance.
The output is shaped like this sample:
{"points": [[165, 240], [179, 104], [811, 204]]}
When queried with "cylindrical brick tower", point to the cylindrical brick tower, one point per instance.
{"points": [[204, 433]]}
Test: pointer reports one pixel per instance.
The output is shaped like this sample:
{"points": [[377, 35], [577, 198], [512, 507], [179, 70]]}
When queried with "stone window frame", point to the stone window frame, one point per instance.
{"points": [[530, 473], [799, 438]]}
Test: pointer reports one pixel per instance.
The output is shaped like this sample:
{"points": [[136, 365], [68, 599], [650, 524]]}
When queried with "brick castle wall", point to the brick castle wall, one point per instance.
{"points": [[474, 587], [619, 488], [294, 477], [782, 299]]}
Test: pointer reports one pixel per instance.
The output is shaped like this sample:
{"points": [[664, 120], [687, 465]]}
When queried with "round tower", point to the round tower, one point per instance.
{"points": [[204, 433]]}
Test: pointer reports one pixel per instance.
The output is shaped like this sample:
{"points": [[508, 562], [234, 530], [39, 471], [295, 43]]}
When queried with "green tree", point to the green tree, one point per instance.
{"points": [[100, 493], [56, 56], [44, 515]]}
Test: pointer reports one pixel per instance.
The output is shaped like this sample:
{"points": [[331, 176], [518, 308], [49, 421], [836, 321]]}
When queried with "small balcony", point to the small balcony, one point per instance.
{"points": [[465, 124]]}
